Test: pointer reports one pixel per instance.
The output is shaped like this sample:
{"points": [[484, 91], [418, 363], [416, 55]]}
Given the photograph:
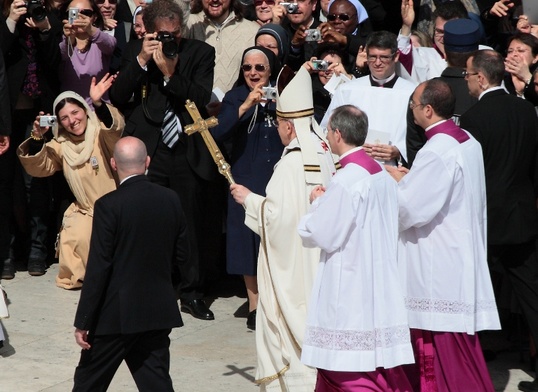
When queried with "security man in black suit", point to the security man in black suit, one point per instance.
{"points": [[162, 71], [507, 128], [128, 304]]}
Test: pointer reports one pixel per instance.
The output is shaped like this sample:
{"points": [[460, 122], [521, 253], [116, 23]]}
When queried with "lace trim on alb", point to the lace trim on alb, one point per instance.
{"points": [[342, 340], [448, 306]]}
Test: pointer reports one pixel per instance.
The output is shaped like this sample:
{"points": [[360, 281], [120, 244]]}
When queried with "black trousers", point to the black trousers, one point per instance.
{"points": [[147, 355], [202, 202], [521, 265]]}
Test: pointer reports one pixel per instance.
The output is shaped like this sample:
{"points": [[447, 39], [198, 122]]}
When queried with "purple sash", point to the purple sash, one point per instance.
{"points": [[362, 159], [450, 129]]}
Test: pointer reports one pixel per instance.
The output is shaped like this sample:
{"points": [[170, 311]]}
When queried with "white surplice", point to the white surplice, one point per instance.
{"points": [[442, 249], [386, 108], [357, 319], [286, 272]]}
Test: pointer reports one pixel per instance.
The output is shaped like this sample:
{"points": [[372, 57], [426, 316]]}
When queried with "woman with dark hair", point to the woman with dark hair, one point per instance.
{"points": [[82, 145], [86, 50], [521, 62], [246, 124], [336, 64]]}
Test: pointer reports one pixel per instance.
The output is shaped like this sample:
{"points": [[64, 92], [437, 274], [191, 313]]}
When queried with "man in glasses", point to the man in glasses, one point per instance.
{"points": [[376, 92], [442, 249], [222, 25], [505, 126], [161, 72]]}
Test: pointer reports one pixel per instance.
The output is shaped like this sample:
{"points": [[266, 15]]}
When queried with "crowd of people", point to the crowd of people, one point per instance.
{"points": [[319, 103]]}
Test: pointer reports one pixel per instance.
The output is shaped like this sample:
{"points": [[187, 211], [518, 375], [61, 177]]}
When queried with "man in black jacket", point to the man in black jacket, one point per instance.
{"points": [[128, 306], [162, 71]]}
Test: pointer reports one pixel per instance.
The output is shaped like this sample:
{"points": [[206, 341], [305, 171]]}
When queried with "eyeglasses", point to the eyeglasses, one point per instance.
{"points": [[413, 105], [383, 58], [257, 3], [99, 2], [439, 32], [86, 12], [342, 17], [257, 67], [466, 74], [276, 122]]}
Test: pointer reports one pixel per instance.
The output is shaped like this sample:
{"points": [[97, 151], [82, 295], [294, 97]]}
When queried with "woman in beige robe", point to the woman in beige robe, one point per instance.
{"points": [[82, 147]]}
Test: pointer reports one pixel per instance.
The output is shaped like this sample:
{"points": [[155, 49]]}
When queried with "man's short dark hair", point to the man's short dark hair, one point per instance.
{"points": [[491, 64], [382, 40], [526, 39], [450, 10], [457, 59], [352, 124], [161, 9], [439, 96]]}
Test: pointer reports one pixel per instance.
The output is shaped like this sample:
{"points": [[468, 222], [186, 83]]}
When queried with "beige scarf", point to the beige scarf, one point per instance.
{"points": [[76, 150]]}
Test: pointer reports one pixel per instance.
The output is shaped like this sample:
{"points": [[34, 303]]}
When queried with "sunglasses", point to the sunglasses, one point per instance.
{"points": [[99, 2], [257, 67], [342, 17], [86, 12], [257, 3]]}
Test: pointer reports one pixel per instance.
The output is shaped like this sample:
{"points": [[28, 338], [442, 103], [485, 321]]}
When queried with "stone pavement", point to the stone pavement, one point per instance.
{"points": [[40, 353]]}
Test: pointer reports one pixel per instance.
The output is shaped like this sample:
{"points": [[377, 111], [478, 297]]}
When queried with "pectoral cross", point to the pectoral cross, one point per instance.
{"points": [[202, 126]]}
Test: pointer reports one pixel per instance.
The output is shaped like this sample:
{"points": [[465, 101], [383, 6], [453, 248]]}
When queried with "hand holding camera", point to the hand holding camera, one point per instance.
{"points": [[166, 53], [42, 124], [17, 9]]}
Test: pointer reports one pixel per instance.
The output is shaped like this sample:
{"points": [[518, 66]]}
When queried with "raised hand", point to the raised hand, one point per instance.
{"points": [[97, 90], [408, 16], [501, 8]]}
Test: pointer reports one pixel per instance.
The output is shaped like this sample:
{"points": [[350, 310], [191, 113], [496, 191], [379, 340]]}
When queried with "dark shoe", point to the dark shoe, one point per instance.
{"points": [[36, 267], [251, 320], [8, 271], [528, 386], [197, 308]]}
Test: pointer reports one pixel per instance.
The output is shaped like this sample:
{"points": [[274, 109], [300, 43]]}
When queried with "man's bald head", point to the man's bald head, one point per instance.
{"points": [[130, 157]]}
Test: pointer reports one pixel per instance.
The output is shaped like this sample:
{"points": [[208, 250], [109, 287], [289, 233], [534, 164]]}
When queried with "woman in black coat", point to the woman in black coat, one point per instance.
{"points": [[246, 126]]}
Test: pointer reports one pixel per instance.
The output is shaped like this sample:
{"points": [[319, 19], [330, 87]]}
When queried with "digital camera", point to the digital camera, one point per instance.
{"points": [[269, 92], [35, 9], [72, 15], [320, 65], [312, 35], [291, 8], [170, 46], [47, 121]]}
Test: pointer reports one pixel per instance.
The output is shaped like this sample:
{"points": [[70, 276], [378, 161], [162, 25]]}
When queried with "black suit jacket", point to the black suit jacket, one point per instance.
{"points": [[507, 129], [193, 79], [139, 232]]}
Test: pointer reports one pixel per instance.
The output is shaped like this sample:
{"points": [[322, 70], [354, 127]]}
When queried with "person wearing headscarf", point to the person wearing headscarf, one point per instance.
{"points": [[274, 37], [82, 145], [246, 126]]}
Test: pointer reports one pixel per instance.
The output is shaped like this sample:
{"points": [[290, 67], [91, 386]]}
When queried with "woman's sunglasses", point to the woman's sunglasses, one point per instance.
{"points": [[342, 17], [257, 67], [86, 12]]}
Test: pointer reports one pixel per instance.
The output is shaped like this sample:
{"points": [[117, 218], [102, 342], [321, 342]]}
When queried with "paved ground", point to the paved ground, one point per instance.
{"points": [[206, 356]]}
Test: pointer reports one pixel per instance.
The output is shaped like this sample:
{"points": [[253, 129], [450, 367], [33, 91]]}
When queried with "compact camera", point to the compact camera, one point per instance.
{"points": [[170, 46], [269, 92], [312, 35], [72, 15], [320, 65], [35, 9], [47, 121], [291, 8]]}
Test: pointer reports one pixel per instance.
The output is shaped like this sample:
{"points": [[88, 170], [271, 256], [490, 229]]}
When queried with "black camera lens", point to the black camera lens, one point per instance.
{"points": [[170, 46], [36, 10]]}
